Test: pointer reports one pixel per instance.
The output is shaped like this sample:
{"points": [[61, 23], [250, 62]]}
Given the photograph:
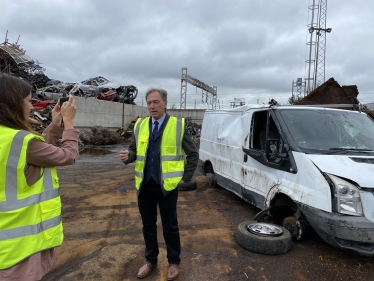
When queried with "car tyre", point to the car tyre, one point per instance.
{"points": [[191, 185], [268, 245], [212, 180]]}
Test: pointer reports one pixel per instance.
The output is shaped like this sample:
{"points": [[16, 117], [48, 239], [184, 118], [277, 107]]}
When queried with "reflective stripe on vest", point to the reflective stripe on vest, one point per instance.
{"points": [[171, 152], [30, 216]]}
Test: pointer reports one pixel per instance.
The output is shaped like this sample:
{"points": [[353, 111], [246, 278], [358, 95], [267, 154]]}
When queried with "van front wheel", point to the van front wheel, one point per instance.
{"points": [[295, 227], [263, 238]]}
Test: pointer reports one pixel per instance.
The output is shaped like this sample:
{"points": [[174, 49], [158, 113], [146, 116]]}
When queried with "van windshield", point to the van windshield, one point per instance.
{"points": [[330, 131]]}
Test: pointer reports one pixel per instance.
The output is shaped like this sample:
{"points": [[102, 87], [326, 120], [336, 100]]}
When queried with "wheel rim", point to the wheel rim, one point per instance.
{"points": [[295, 227], [264, 229]]}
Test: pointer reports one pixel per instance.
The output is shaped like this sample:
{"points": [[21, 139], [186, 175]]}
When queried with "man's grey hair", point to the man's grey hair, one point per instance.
{"points": [[163, 93]]}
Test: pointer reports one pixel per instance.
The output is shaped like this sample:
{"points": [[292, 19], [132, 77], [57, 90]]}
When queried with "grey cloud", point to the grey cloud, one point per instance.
{"points": [[252, 49]]}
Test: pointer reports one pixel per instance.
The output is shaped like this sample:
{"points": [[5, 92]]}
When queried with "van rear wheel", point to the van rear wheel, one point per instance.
{"points": [[263, 238], [191, 185], [212, 180]]}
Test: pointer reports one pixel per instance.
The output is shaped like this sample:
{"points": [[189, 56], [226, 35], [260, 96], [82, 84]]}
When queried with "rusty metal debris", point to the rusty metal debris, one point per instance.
{"points": [[127, 130], [129, 94], [40, 119], [194, 130], [14, 61]]}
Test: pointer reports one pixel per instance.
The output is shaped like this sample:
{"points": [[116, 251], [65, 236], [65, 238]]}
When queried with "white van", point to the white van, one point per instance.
{"points": [[301, 165]]}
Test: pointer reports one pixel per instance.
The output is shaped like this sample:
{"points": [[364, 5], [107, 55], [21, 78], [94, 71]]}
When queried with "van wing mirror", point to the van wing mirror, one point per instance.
{"points": [[260, 156], [252, 152], [272, 149]]}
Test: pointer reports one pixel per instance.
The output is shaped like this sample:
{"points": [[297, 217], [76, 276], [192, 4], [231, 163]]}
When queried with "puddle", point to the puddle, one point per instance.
{"points": [[95, 152], [105, 154]]}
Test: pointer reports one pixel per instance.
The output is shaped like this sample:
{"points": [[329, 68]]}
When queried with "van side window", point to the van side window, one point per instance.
{"points": [[276, 142], [263, 128], [258, 130]]}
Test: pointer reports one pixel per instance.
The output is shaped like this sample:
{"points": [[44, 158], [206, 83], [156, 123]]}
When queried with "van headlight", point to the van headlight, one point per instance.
{"points": [[347, 197]]}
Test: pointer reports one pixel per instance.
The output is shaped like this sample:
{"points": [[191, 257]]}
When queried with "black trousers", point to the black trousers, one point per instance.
{"points": [[151, 195]]}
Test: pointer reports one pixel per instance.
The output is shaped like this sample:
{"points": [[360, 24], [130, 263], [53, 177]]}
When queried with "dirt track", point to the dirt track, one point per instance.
{"points": [[103, 239]]}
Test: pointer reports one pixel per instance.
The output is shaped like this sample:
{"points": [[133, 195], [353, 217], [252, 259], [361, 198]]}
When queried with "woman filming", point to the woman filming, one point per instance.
{"points": [[30, 205]]}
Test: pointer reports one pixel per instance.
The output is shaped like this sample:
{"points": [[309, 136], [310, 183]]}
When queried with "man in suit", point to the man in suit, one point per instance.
{"points": [[158, 146]]}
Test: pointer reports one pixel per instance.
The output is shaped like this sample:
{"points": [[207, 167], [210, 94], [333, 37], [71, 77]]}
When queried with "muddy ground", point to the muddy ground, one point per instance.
{"points": [[103, 239]]}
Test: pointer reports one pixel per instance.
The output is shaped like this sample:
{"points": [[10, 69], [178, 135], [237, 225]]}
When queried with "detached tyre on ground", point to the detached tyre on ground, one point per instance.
{"points": [[263, 238], [191, 185]]}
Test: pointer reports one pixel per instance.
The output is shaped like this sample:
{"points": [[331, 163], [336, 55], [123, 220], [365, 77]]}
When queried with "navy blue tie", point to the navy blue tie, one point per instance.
{"points": [[155, 130]]}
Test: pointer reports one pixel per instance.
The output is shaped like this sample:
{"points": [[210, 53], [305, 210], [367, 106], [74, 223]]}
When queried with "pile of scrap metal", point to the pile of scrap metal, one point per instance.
{"points": [[98, 88], [127, 130], [103, 89], [128, 94], [14, 61], [40, 119], [194, 130]]}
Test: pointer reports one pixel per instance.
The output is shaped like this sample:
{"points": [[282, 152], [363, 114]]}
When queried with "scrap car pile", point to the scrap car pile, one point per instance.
{"points": [[14, 61], [98, 87], [46, 92]]}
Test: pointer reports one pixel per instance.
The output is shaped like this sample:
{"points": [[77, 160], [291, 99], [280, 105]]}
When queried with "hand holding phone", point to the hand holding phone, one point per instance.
{"points": [[64, 99]]}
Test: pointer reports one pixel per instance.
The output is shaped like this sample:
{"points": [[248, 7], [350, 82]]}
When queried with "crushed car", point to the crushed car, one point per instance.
{"points": [[101, 88], [110, 95], [40, 103], [97, 85], [50, 92]]}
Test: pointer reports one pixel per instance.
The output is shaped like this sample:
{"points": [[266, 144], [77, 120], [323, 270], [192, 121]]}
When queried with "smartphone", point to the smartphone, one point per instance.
{"points": [[64, 99]]}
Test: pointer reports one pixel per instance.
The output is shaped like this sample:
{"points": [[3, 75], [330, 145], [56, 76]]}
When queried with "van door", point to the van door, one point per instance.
{"points": [[261, 172]]}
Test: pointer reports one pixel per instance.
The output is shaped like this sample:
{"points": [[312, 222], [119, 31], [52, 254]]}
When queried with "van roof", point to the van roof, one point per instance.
{"points": [[247, 107]]}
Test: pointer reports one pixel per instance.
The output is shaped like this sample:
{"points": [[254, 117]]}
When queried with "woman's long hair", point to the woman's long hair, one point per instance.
{"points": [[13, 91]]}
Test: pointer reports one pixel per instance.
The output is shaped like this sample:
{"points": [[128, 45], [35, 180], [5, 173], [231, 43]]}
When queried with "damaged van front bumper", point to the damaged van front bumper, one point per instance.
{"points": [[345, 232]]}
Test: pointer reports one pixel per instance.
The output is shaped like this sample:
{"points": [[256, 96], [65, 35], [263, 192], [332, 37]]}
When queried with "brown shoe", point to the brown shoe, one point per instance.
{"points": [[145, 270], [172, 272]]}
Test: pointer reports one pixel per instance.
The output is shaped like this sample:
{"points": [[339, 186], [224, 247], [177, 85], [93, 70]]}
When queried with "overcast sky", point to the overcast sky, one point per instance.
{"points": [[250, 50]]}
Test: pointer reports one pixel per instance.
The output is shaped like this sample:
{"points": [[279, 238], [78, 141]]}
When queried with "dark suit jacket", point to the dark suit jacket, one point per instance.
{"points": [[189, 147]]}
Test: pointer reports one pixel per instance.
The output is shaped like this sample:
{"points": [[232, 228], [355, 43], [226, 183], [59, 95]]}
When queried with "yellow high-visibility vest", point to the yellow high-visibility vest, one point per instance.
{"points": [[171, 152], [30, 216]]}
